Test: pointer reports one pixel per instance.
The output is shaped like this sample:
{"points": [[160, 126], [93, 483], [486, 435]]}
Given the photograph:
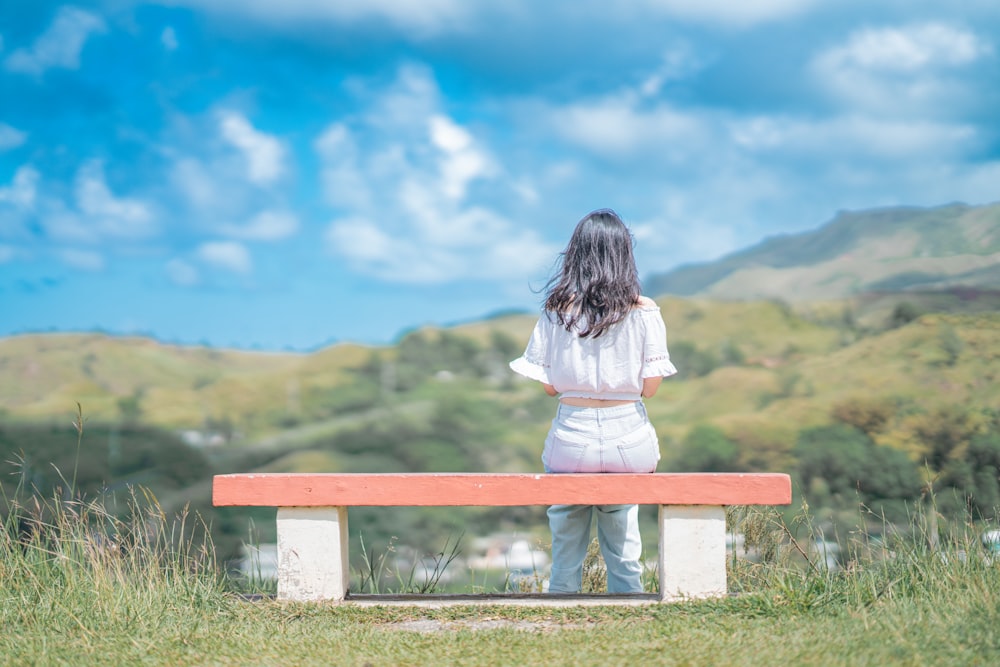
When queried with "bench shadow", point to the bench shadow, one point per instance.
{"points": [[491, 599]]}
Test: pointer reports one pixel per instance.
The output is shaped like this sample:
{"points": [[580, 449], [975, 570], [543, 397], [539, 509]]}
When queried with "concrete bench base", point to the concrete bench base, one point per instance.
{"points": [[312, 553], [313, 562], [312, 516]]}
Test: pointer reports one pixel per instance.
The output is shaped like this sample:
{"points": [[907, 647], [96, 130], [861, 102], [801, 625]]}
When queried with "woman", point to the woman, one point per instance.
{"points": [[601, 347]]}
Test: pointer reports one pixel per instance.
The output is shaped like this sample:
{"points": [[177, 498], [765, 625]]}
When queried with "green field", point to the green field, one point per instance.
{"points": [[153, 597]]}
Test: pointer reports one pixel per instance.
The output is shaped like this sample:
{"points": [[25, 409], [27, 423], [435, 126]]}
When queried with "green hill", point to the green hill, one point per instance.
{"points": [[44, 376], [761, 361], [874, 250], [757, 375]]}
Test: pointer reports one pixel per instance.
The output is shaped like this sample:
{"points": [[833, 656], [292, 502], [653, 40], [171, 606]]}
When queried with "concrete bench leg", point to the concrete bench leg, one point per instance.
{"points": [[692, 551], [312, 553]]}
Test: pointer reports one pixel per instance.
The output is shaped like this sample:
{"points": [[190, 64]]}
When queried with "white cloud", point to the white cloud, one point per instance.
{"points": [[448, 136], [504, 252], [168, 38], [422, 19], [197, 183], [82, 259], [695, 148], [343, 184], [617, 126], [22, 190], [227, 255], [11, 137], [264, 153], [677, 63], [460, 161], [905, 71], [265, 226], [854, 136], [707, 181], [60, 45], [400, 178], [905, 49], [97, 215], [425, 17], [111, 216], [235, 187], [726, 12], [182, 273]]}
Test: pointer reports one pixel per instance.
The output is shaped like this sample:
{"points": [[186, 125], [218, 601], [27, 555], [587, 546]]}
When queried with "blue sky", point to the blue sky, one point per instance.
{"points": [[283, 175]]}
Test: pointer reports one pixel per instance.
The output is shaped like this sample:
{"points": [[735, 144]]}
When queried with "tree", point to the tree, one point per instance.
{"points": [[691, 361], [869, 415], [707, 449], [981, 481], [904, 313], [849, 461], [732, 355], [944, 435], [130, 407]]}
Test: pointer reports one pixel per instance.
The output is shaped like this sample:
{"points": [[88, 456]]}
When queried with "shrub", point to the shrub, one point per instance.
{"points": [[692, 361], [849, 461], [869, 415], [904, 313], [707, 449]]}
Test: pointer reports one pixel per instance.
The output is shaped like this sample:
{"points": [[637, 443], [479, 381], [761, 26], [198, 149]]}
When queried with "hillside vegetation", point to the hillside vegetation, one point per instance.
{"points": [[762, 361], [833, 387]]}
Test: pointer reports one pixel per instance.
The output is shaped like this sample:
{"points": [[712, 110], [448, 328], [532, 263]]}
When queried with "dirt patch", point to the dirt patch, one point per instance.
{"points": [[428, 626]]}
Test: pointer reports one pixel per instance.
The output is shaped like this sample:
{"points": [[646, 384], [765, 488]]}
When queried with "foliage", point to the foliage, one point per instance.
{"points": [[868, 415], [973, 478], [692, 361], [130, 407], [112, 456], [378, 576], [904, 313], [422, 355], [451, 440], [944, 435], [445, 400], [848, 461], [983, 457], [706, 448], [951, 344]]}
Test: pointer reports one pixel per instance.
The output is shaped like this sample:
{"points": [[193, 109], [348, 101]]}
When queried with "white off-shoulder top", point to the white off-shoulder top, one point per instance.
{"points": [[611, 366]]}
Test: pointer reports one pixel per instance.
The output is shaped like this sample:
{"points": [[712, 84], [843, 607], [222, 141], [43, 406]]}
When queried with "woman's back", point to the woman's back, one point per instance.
{"points": [[611, 366]]}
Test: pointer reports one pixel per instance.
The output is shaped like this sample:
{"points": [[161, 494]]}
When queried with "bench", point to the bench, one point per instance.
{"points": [[312, 515]]}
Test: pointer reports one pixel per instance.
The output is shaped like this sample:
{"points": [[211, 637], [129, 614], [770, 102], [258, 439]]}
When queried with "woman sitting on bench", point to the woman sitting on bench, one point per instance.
{"points": [[601, 347]]}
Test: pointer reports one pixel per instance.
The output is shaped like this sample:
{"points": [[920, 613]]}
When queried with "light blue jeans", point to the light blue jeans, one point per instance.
{"points": [[615, 439]]}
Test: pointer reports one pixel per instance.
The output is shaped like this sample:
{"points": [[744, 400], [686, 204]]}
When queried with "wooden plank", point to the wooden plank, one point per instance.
{"points": [[489, 489]]}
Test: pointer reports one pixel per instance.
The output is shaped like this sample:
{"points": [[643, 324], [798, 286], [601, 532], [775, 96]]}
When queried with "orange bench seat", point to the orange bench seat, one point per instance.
{"points": [[498, 489], [312, 515]]}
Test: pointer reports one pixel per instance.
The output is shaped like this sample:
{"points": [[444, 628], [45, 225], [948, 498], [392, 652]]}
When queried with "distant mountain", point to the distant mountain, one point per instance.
{"points": [[890, 249]]}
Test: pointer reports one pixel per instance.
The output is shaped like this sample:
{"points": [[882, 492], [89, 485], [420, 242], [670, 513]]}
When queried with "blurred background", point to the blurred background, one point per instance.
{"points": [[308, 236]]}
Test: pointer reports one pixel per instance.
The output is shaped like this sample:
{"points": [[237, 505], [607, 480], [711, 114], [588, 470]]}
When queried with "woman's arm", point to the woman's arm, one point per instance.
{"points": [[550, 390], [650, 385]]}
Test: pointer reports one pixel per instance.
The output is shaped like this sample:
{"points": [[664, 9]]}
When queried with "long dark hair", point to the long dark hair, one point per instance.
{"points": [[596, 284]]}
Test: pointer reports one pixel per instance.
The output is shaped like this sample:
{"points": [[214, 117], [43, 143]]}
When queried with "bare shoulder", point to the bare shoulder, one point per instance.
{"points": [[645, 303]]}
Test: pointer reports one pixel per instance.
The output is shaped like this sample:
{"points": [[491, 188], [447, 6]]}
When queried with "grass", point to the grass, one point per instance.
{"points": [[83, 584]]}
